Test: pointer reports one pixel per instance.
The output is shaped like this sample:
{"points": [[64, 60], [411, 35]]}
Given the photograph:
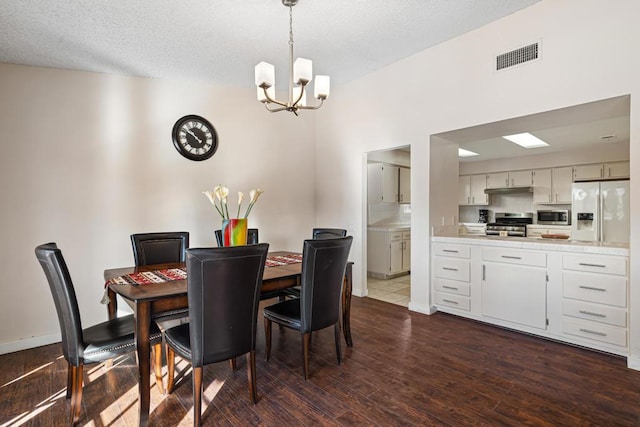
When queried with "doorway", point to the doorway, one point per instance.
{"points": [[388, 219]]}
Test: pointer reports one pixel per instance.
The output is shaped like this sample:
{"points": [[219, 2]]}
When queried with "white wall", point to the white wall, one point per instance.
{"points": [[586, 47], [87, 159]]}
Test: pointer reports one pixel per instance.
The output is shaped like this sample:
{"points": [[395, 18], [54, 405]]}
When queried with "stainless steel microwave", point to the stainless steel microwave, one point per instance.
{"points": [[555, 217]]}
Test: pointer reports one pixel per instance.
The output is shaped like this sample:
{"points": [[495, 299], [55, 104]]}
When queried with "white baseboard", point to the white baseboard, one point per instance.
{"points": [[27, 343], [359, 292], [424, 309], [633, 362]]}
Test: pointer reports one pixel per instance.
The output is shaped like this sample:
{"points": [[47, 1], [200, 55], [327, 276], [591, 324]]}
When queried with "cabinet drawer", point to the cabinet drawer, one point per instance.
{"points": [[395, 236], [452, 250], [511, 256], [452, 286], [455, 301], [451, 268], [608, 265], [600, 288], [595, 331], [406, 235], [595, 312]]}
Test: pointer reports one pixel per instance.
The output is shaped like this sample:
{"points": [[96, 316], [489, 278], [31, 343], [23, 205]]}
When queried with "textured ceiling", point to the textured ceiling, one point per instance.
{"points": [[220, 41]]}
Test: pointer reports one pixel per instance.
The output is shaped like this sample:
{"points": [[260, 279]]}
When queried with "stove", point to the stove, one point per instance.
{"points": [[510, 224]]}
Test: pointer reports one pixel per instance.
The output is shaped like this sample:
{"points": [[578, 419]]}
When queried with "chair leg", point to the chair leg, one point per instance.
{"points": [[171, 367], [69, 379], [251, 376], [267, 338], [306, 339], [336, 330], [197, 396], [76, 393], [157, 366]]}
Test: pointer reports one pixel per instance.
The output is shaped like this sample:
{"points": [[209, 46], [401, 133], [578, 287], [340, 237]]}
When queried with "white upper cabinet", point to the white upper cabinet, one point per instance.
{"points": [[588, 172], [471, 190], [382, 183], [509, 179], [616, 170], [542, 186], [561, 180], [405, 185]]}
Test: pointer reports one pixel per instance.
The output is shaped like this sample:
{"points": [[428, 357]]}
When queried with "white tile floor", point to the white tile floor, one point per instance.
{"points": [[396, 291]]}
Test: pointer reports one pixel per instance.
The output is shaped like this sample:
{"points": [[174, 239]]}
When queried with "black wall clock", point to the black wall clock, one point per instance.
{"points": [[195, 138]]}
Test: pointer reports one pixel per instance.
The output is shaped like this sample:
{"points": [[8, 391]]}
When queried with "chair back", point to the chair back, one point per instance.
{"points": [[159, 248], [64, 297], [323, 266], [328, 233], [252, 237], [223, 292]]}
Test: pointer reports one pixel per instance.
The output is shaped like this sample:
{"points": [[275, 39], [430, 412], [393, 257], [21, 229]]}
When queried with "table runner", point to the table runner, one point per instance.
{"points": [[168, 275], [147, 277]]}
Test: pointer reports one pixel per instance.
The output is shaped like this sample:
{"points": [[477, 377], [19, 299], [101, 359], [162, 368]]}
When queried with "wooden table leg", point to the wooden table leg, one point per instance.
{"points": [[112, 307], [346, 305], [143, 320]]}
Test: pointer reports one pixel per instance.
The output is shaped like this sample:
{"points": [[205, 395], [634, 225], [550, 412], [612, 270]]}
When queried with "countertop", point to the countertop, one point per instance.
{"points": [[600, 248], [392, 226]]}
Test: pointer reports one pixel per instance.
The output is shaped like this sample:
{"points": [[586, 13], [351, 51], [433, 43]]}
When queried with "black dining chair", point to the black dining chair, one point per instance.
{"points": [[223, 293], [328, 233], [159, 248], [95, 344], [318, 234], [323, 266], [252, 236]]}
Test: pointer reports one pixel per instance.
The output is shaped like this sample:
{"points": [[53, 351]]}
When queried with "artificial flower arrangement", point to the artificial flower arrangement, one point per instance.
{"points": [[218, 198]]}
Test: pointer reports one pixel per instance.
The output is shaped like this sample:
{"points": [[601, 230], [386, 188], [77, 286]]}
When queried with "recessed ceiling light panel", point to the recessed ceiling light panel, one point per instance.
{"points": [[466, 153], [526, 140]]}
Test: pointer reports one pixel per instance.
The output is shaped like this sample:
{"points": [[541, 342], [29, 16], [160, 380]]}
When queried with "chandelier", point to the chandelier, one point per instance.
{"points": [[300, 75]]}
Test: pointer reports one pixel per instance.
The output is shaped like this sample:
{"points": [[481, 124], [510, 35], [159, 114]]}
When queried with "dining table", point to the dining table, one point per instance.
{"points": [[158, 298]]}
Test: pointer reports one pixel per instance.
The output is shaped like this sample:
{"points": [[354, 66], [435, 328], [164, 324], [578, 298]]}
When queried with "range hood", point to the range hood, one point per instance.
{"points": [[508, 190]]}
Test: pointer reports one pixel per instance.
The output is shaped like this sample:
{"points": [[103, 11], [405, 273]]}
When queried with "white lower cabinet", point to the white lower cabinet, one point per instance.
{"points": [[579, 298], [452, 275], [595, 300], [514, 286], [388, 253]]}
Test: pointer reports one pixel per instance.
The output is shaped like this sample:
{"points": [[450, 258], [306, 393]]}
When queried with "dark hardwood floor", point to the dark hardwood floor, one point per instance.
{"points": [[405, 369]]}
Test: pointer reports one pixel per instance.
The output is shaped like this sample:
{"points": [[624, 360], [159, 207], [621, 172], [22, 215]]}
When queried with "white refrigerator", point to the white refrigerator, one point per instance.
{"points": [[600, 211]]}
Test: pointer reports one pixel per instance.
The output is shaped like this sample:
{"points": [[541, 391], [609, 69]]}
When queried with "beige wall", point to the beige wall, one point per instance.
{"points": [[586, 47], [87, 159]]}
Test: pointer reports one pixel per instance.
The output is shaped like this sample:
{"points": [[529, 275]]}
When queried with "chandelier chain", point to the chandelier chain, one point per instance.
{"points": [[290, 24]]}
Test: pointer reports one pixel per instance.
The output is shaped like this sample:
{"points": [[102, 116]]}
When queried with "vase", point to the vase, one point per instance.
{"points": [[234, 232]]}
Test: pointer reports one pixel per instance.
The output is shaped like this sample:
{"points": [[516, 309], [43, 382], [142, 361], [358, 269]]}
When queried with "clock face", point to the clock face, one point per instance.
{"points": [[195, 138]]}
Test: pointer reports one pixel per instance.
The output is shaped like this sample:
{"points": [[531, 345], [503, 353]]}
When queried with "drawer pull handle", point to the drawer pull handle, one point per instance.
{"points": [[588, 331], [450, 250], [449, 268], [449, 301], [591, 288], [511, 257], [591, 313], [449, 287], [586, 264]]}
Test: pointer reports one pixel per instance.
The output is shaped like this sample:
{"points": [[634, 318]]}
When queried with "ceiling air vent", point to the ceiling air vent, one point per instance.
{"points": [[517, 56]]}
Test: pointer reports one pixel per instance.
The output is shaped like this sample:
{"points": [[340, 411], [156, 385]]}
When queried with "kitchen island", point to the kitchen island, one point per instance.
{"points": [[572, 291]]}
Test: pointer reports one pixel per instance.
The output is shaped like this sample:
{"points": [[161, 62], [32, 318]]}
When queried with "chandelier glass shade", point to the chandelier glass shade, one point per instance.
{"points": [[300, 75]]}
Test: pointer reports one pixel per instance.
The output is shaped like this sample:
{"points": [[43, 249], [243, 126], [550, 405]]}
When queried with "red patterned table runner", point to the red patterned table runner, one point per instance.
{"points": [[276, 260], [147, 277]]}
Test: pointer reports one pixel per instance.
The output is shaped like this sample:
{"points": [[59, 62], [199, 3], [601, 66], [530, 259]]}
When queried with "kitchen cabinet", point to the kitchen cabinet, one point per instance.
{"points": [[471, 190], [452, 276], [509, 179], [552, 186], [382, 185], [597, 171], [514, 286], [388, 183], [404, 185], [594, 299], [388, 253]]}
